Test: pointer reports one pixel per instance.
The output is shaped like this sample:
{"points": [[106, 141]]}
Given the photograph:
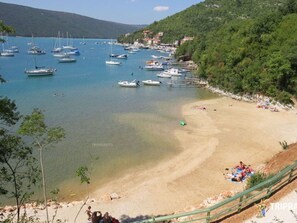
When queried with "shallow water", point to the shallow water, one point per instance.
{"points": [[109, 129]]}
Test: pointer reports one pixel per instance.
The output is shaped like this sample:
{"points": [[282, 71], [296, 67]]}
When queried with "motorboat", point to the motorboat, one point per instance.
{"points": [[35, 50], [122, 56], [154, 67], [40, 71], [131, 84], [112, 62], [173, 72], [164, 75], [151, 83], [7, 53]]}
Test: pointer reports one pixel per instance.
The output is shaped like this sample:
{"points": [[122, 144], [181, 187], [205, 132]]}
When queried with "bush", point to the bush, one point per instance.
{"points": [[257, 178]]}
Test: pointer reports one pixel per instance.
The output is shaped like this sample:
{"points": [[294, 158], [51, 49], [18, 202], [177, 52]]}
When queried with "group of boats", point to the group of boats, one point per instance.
{"points": [[134, 83]]}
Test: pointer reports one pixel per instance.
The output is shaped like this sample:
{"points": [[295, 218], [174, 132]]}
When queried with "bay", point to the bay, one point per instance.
{"points": [[109, 129]]}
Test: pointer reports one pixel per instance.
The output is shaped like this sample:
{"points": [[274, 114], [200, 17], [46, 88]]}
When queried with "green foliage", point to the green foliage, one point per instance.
{"points": [[8, 112], [18, 169], [252, 56], [208, 16], [34, 126], [82, 172], [256, 179]]}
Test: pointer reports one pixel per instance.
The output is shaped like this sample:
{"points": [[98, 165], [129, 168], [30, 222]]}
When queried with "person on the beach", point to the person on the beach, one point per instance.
{"points": [[107, 218], [249, 170], [96, 218], [241, 166], [89, 213]]}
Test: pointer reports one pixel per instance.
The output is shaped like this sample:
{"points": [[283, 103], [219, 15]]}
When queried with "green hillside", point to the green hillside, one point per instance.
{"points": [[242, 46], [256, 55], [43, 23], [205, 17]]}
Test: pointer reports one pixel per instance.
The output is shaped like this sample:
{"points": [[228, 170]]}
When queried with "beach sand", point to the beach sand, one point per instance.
{"points": [[217, 137]]}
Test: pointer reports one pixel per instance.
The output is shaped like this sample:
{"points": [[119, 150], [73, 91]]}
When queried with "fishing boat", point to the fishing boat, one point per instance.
{"points": [[151, 83], [130, 84]]}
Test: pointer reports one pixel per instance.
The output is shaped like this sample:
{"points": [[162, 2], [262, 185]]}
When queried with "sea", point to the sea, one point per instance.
{"points": [[109, 129]]}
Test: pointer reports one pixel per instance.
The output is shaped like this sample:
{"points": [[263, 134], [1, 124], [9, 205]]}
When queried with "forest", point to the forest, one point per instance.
{"points": [[242, 46]]}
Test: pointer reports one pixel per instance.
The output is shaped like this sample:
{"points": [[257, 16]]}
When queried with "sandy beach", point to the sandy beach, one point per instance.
{"points": [[219, 133]]}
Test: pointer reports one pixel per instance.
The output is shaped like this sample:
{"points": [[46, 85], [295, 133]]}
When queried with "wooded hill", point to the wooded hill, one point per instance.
{"points": [[205, 17], [44, 23], [242, 46]]}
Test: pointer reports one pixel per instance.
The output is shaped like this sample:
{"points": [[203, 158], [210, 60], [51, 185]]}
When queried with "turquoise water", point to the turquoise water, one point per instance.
{"points": [[109, 129]]}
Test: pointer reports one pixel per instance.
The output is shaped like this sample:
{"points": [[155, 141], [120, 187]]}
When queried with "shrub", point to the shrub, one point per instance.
{"points": [[284, 144], [257, 178]]}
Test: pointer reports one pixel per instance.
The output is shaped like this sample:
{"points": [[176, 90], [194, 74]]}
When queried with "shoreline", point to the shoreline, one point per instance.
{"points": [[216, 137]]}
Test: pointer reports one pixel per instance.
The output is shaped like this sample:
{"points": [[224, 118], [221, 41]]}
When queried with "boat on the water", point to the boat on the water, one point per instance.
{"points": [[131, 84], [7, 53], [164, 75], [151, 82], [173, 72], [153, 65], [35, 50], [112, 62], [40, 71], [122, 56], [67, 59]]}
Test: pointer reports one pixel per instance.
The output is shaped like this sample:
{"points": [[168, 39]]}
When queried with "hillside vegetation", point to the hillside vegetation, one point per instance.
{"points": [[205, 17], [243, 46], [44, 23], [251, 56]]}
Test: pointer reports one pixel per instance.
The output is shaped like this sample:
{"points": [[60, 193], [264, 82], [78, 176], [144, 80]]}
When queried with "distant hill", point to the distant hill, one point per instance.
{"points": [[44, 23]]}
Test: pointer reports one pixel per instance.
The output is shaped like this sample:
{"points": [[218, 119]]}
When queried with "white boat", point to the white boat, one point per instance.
{"points": [[7, 53], [164, 75], [156, 57], [69, 46], [14, 49], [122, 56], [57, 46], [151, 83], [35, 50], [40, 71], [112, 62], [60, 55], [154, 67], [173, 72], [131, 84], [67, 59]]}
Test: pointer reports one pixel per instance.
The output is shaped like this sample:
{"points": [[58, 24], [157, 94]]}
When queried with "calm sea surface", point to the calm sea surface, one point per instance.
{"points": [[108, 128]]}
